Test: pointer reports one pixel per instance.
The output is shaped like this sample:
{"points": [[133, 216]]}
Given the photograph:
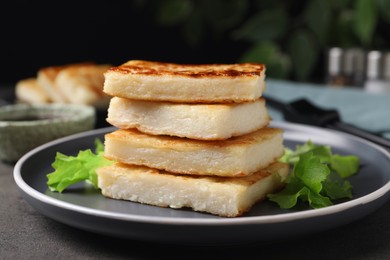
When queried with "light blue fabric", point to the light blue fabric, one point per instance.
{"points": [[357, 107]]}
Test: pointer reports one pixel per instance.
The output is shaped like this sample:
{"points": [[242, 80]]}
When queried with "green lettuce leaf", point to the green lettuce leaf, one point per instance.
{"points": [[311, 171], [345, 166], [323, 152], [337, 189], [69, 170], [318, 176]]}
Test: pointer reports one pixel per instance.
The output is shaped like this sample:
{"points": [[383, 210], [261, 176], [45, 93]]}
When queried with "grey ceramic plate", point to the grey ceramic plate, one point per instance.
{"points": [[87, 209]]}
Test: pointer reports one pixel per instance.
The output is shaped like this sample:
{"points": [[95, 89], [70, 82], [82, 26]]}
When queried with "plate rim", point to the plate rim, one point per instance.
{"points": [[166, 220]]}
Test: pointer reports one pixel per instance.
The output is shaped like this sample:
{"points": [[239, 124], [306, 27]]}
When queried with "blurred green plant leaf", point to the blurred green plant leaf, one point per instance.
{"points": [[224, 14], [365, 20], [265, 25], [193, 29], [340, 4], [304, 54], [268, 53], [289, 36], [384, 9], [317, 16], [267, 4], [172, 12], [342, 35]]}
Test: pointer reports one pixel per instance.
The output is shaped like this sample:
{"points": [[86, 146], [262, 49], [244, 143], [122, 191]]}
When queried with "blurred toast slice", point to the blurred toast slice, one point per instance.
{"points": [[46, 78], [188, 83], [195, 121], [31, 92], [222, 196], [236, 156], [83, 84]]}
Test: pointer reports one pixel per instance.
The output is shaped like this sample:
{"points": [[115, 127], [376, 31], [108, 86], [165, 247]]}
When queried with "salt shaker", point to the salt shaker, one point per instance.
{"points": [[335, 63], [375, 82]]}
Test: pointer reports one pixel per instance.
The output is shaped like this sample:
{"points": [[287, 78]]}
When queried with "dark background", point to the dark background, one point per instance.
{"points": [[291, 37], [36, 34]]}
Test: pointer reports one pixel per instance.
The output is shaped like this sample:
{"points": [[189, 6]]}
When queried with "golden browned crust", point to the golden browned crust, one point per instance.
{"points": [[89, 75], [196, 121], [30, 91], [154, 68], [51, 72], [47, 76], [222, 196], [237, 156], [186, 83], [164, 141], [243, 180]]}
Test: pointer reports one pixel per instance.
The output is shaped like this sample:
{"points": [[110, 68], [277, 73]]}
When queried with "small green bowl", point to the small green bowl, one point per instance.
{"points": [[24, 127]]}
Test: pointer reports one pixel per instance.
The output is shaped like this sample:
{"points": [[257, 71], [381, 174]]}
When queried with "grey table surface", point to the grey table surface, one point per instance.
{"points": [[27, 234]]}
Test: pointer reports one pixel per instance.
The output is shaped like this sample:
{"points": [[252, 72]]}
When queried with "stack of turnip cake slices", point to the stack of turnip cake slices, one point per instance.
{"points": [[191, 136]]}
